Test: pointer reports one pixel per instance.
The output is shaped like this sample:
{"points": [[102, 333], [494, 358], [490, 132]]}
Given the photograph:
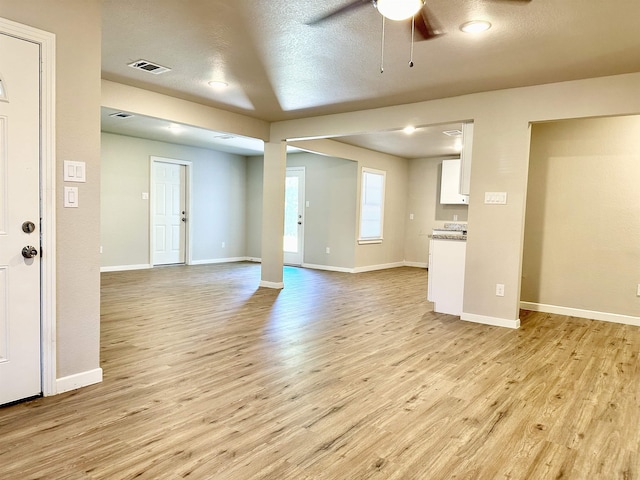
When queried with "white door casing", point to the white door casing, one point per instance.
{"points": [[293, 242], [20, 283], [169, 211]]}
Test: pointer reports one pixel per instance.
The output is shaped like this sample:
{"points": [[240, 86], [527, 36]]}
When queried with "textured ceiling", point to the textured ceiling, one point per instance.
{"points": [[278, 67]]}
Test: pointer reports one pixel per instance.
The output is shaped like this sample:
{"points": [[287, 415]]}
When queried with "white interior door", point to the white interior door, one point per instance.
{"points": [[294, 216], [169, 213], [19, 204]]}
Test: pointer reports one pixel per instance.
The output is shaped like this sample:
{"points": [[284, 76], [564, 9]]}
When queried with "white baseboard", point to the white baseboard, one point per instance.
{"points": [[494, 321], [416, 264], [211, 261], [371, 268], [124, 268], [276, 285], [78, 380], [577, 312], [329, 268]]}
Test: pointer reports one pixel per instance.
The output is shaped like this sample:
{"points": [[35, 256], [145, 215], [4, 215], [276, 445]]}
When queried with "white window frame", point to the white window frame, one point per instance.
{"points": [[362, 239]]}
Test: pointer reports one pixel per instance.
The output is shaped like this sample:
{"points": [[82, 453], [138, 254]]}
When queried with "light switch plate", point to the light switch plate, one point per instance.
{"points": [[495, 198], [74, 171], [71, 197]]}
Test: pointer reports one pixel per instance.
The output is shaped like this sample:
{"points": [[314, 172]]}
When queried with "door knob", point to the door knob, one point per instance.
{"points": [[29, 251]]}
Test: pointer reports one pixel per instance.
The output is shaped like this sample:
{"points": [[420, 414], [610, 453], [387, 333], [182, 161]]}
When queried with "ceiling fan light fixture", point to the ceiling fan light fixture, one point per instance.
{"points": [[475, 26], [399, 9]]}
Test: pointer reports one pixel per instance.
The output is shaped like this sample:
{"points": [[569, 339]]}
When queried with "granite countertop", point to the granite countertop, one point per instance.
{"points": [[448, 236], [450, 231]]}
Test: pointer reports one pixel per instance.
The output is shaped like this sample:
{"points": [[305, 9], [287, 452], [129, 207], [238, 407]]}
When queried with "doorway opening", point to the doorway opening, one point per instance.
{"points": [[293, 244]]}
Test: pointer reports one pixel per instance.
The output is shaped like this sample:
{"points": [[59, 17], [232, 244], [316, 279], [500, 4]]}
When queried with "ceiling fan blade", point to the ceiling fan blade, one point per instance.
{"points": [[426, 24], [339, 11]]}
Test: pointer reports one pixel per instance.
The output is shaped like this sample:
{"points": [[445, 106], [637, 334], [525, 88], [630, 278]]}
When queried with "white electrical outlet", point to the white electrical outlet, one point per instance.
{"points": [[328, 250], [638, 291], [499, 290], [223, 244]]}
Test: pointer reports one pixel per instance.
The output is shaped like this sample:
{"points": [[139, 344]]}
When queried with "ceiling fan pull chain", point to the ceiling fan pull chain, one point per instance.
{"points": [[413, 30], [382, 49]]}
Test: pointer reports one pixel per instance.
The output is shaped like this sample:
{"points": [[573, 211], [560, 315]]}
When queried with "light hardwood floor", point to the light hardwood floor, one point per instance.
{"points": [[338, 376]]}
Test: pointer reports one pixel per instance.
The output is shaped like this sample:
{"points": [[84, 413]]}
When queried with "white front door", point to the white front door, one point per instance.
{"points": [[294, 216], [19, 219], [169, 213]]}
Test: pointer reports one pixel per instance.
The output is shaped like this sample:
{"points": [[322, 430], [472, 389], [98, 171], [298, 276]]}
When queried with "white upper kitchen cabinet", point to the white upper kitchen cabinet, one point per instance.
{"points": [[450, 183]]}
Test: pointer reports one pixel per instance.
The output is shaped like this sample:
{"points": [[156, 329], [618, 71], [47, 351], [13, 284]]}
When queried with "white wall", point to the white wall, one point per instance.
{"points": [[219, 198]]}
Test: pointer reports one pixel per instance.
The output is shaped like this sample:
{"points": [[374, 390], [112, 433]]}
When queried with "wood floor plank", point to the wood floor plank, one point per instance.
{"points": [[336, 377]]}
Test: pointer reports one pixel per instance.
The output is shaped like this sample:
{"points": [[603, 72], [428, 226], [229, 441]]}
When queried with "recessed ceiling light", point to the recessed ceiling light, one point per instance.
{"points": [[475, 26], [218, 84], [409, 129]]}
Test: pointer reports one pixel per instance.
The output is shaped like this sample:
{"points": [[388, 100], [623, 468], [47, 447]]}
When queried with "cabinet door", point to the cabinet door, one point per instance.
{"points": [[450, 183], [446, 275]]}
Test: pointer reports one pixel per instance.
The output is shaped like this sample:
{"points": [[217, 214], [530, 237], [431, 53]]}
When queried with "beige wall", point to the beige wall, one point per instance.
{"points": [[218, 200], [423, 201], [253, 242], [76, 24], [501, 152], [500, 163], [582, 230], [391, 250], [330, 219]]}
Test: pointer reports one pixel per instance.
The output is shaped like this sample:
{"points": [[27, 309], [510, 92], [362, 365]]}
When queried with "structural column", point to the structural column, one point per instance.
{"points": [[275, 168]]}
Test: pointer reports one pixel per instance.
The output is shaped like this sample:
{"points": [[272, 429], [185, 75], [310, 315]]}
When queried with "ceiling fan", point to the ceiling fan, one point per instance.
{"points": [[423, 20]]}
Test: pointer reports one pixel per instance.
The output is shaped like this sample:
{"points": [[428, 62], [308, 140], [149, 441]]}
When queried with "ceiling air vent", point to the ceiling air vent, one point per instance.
{"points": [[121, 115], [453, 133], [149, 67]]}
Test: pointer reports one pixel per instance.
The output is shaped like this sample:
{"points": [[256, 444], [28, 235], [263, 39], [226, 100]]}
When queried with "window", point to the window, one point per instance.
{"points": [[372, 205]]}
